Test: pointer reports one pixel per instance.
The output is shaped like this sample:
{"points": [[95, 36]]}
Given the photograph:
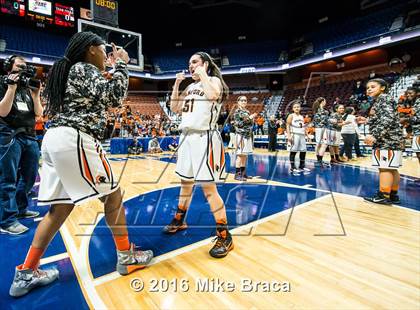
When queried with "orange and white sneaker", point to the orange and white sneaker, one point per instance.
{"points": [[132, 259]]}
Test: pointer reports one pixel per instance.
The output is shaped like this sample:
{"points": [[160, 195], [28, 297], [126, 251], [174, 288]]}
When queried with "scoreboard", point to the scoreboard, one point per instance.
{"points": [[43, 12], [64, 15], [13, 7]]}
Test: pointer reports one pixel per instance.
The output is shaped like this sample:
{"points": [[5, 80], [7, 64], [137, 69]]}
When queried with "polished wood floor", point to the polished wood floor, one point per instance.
{"points": [[373, 264]]}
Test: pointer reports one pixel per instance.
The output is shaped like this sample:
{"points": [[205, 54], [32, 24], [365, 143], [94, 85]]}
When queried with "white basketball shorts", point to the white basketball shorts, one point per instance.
{"points": [[386, 159], [298, 143], [74, 168], [321, 136], [244, 145], [201, 157]]}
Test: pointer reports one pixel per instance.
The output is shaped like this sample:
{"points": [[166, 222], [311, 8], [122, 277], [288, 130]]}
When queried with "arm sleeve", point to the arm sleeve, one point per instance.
{"points": [[89, 81]]}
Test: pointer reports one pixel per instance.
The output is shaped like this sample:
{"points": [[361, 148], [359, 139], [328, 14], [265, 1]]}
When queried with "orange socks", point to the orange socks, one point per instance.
{"points": [[32, 258], [122, 243]]}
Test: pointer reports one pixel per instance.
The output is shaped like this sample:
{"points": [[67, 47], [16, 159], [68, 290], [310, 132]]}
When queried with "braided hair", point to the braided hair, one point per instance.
{"points": [[57, 78], [214, 70]]}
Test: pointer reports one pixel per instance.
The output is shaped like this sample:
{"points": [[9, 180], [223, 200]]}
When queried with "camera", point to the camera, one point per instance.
{"points": [[26, 77]]}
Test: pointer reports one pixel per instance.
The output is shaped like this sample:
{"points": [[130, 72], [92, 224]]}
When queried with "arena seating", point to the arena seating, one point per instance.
{"points": [[144, 104], [27, 41], [340, 86], [352, 30]]}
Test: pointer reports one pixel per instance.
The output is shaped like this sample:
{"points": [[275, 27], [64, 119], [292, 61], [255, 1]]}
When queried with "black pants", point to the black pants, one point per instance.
{"points": [[272, 142], [349, 139], [357, 146]]}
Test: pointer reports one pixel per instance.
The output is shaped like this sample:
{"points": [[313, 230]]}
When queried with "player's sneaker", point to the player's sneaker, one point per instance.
{"points": [[27, 279], [132, 259], [304, 170], [379, 198], [174, 226], [394, 198], [318, 164], [294, 172], [224, 244]]}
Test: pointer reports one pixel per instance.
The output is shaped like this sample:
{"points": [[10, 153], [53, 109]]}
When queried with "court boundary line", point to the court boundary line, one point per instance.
{"points": [[115, 275], [53, 258]]}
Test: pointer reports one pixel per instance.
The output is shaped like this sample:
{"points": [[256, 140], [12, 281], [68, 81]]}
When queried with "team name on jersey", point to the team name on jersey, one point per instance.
{"points": [[196, 92]]}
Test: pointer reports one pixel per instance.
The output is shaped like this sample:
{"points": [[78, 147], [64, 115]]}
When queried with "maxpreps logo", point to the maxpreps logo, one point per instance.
{"points": [[106, 3], [40, 5]]}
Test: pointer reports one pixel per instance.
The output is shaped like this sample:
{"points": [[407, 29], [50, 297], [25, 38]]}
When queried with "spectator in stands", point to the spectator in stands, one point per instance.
{"points": [[416, 83], [154, 146], [386, 138], [273, 126], [19, 151], [359, 90], [135, 147], [173, 144], [260, 124]]}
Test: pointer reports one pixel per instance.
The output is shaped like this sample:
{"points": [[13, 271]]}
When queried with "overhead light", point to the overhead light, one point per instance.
{"points": [[385, 40], [36, 59], [285, 66], [327, 54]]}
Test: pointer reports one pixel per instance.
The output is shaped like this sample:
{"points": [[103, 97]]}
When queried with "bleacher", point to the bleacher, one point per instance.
{"points": [[238, 54], [144, 104], [30, 42], [346, 32]]}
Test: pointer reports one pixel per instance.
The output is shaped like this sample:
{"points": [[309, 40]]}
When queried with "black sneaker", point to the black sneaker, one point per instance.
{"points": [[379, 198], [174, 226], [224, 244], [395, 199]]}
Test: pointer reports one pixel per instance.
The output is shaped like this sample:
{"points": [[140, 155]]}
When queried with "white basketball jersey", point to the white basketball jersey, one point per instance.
{"points": [[297, 125], [198, 113]]}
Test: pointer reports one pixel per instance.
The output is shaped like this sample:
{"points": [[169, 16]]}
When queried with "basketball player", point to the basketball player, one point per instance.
{"points": [[243, 122], [333, 133], [415, 124], [320, 121], [75, 168], [295, 129], [386, 138], [201, 156]]}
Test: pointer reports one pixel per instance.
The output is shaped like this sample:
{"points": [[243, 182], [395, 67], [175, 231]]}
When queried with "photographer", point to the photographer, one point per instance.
{"points": [[19, 152]]}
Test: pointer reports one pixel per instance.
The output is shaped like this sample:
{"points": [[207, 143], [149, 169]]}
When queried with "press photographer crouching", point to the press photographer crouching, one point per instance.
{"points": [[19, 152]]}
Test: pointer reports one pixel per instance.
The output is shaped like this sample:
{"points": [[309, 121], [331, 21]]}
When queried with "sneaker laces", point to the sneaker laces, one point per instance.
{"points": [[219, 241], [39, 273]]}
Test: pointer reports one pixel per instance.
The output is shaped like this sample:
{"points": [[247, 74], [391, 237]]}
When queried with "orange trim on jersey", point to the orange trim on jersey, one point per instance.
{"points": [[418, 140], [211, 158], [87, 173], [222, 159], [378, 154], [106, 166]]}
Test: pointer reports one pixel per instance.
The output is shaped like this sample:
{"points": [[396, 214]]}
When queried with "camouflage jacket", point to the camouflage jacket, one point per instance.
{"points": [[88, 95], [320, 118], [334, 120], [384, 124], [415, 119], [243, 123]]}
